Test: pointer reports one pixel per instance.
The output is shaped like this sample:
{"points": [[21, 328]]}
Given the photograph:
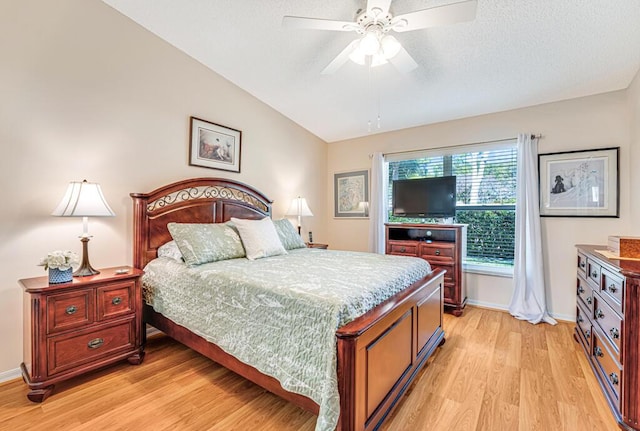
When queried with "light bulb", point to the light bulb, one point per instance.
{"points": [[369, 44], [390, 46]]}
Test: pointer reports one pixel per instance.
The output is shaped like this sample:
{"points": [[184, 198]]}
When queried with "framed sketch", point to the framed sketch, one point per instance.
{"points": [[351, 194], [214, 146], [579, 183]]}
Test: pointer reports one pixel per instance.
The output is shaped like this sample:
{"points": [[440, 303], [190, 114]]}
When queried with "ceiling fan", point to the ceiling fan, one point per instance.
{"points": [[374, 45]]}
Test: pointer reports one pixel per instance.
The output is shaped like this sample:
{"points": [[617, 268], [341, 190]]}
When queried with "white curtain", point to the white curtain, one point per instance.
{"points": [[529, 299], [378, 203]]}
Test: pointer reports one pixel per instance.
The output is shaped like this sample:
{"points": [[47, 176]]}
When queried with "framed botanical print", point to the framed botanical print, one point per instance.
{"points": [[579, 183], [351, 194]]}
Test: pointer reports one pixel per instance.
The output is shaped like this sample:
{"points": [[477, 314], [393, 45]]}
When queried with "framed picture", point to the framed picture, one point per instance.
{"points": [[351, 194], [579, 183], [214, 146]]}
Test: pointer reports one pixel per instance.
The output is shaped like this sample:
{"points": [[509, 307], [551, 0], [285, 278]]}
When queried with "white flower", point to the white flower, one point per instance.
{"points": [[59, 259]]}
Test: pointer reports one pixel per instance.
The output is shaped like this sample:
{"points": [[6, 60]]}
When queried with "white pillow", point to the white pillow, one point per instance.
{"points": [[259, 238], [170, 249]]}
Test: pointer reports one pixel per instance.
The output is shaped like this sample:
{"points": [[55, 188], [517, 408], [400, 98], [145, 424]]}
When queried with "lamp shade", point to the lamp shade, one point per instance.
{"points": [[83, 199], [299, 208]]}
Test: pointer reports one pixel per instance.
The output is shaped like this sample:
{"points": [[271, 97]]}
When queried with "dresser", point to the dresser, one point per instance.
{"points": [[72, 328], [443, 246], [608, 328]]}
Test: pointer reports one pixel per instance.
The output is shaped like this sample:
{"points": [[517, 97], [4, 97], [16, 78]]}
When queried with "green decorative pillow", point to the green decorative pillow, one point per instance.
{"points": [[288, 234], [259, 238], [202, 242]]}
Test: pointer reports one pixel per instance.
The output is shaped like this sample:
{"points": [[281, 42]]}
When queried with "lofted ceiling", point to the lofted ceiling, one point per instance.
{"points": [[516, 53]]}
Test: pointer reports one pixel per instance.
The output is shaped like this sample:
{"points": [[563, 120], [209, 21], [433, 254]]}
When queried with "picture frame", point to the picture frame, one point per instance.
{"points": [[351, 194], [581, 183], [214, 146]]}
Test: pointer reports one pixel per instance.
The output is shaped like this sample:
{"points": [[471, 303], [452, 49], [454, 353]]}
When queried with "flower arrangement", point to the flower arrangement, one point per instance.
{"points": [[59, 259]]}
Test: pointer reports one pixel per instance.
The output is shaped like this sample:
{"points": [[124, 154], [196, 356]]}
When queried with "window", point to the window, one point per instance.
{"points": [[485, 194]]}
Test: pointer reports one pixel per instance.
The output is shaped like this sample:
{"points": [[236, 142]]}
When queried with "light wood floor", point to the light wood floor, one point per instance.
{"points": [[494, 373]]}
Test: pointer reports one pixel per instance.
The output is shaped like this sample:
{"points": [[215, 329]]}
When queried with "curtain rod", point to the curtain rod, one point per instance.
{"points": [[533, 136]]}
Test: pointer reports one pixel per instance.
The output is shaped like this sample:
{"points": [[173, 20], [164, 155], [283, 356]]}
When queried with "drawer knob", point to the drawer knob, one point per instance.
{"points": [[71, 309], [588, 333], [598, 352], [403, 249], [613, 288], [580, 290], [594, 274], [437, 252], [95, 343], [614, 378], [116, 301], [580, 319], [615, 333], [582, 265], [599, 314], [589, 300]]}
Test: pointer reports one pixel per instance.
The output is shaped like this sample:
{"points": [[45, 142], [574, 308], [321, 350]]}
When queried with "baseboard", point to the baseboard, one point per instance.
{"points": [[500, 307], [5, 376]]}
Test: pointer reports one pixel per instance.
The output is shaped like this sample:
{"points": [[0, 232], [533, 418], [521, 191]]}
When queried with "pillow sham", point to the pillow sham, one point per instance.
{"points": [[170, 249], [206, 242], [259, 238], [288, 234]]}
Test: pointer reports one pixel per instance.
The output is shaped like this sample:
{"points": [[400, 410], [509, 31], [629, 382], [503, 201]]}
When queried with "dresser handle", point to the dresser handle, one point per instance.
{"points": [[614, 378], [613, 288], [403, 249], [594, 274], [116, 301], [580, 319], [589, 300], [598, 351], [582, 265], [588, 333], [615, 334], [580, 290], [437, 252], [95, 343], [71, 309], [599, 314]]}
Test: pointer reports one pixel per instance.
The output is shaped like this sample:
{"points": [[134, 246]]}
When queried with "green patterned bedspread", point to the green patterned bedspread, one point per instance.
{"points": [[280, 314]]}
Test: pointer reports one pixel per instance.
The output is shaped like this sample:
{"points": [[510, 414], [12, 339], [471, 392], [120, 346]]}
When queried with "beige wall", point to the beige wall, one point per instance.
{"points": [[585, 123], [88, 94], [634, 192]]}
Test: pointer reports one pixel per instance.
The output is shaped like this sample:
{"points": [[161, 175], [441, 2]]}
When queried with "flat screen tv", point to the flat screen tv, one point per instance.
{"points": [[425, 197]]}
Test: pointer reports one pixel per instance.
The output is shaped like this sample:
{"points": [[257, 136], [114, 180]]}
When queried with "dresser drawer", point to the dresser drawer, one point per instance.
{"points": [[70, 310], [612, 288], [609, 322], [444, 251], [584, 325], [585, 293], [609, 371], [403, 248], [582, 264], [70, 350], [116, 300], [593, 273]]}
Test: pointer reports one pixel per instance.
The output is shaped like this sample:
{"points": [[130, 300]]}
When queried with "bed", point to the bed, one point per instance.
{"points": [[378, 354]]}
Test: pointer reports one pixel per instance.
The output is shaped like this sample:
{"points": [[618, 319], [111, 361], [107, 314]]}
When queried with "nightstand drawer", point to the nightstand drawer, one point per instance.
{"points": [[70, 350], [115, 300], [69, 310]]}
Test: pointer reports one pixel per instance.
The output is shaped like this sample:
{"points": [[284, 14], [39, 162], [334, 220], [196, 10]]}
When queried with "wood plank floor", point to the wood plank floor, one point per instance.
{"points": [[494, 373]]}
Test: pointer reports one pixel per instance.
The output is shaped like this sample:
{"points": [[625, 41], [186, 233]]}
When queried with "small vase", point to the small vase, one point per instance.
{"points": [[60, 275]]}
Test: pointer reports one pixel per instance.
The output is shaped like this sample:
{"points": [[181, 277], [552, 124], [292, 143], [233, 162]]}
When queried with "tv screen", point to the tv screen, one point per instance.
{"points": [[425, 197]]}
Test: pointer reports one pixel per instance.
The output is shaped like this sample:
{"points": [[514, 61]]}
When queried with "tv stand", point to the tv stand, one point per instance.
{"points": [[442, 245]]}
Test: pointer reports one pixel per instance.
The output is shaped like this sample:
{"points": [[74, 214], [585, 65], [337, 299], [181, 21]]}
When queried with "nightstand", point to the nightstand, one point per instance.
{"points": [[72, 328], [316, 245]]}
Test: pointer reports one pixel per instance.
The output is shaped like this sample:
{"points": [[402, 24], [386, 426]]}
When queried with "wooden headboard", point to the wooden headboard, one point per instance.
{"points": [[197, 200]]}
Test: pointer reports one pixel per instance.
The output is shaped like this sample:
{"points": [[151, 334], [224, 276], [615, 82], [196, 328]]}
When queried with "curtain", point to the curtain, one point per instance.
{"points": [[378, 204], [529, 299]]}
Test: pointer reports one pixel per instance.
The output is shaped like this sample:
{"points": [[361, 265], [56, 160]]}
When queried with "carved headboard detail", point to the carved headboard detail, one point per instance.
{"points": [[197, 200]]}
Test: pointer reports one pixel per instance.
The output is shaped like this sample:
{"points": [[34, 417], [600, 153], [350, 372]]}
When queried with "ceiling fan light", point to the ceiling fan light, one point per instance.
{"points": [[378, 59], [390, 46], [369, 44], [357, 56]]}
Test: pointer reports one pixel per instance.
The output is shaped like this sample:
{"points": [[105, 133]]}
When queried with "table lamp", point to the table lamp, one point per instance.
{"points": [[84, 199], [300, 209]]}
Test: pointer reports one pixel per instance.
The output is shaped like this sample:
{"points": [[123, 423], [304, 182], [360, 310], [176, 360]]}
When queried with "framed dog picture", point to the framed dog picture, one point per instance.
{"points": [[579, 183], [214, 146]]}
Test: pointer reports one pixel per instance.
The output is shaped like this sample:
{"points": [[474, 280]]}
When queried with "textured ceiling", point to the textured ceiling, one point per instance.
{"points": [[516, 53]]}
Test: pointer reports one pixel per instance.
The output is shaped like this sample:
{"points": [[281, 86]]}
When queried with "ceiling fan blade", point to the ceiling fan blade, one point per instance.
{"points": [[403, 61], [382, 5], [436, 16], [341, 59], [299, 22]]}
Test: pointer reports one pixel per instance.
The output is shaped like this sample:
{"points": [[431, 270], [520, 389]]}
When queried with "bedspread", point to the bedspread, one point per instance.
{"points": [[280, 314]]}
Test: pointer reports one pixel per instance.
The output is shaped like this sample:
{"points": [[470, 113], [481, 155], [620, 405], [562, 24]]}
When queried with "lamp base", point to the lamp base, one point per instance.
{"points": [[85, 268]]}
